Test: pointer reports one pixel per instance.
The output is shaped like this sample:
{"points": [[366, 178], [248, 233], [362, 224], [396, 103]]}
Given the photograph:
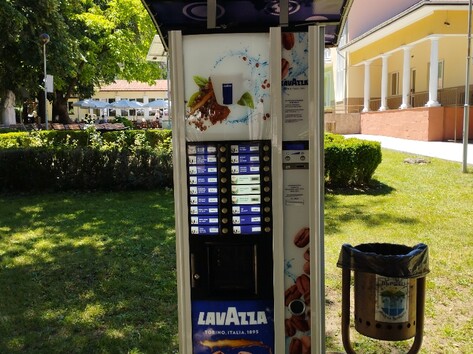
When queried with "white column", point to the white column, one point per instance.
{"points": [[406, 78], [434, 72], [118, 112], [146, 110], [384, 83], [367, 88]]}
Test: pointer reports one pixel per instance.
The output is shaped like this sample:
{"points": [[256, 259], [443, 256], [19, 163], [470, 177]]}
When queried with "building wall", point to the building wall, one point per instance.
{"points": [[342, 123], [423, 123]]}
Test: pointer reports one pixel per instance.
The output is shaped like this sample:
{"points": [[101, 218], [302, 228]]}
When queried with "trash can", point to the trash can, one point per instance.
{"points": [[389, 290]]}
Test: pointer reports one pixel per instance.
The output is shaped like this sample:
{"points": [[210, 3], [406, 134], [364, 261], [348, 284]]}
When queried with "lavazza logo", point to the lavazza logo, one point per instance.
{"points": [[232, 317]]}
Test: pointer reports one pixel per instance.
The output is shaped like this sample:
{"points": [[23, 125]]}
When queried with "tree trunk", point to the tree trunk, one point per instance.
{"points": [[60, 109], [41, 109]]}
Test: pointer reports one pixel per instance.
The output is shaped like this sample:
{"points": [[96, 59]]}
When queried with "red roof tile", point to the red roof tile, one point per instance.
{"points": [[123, 85]]}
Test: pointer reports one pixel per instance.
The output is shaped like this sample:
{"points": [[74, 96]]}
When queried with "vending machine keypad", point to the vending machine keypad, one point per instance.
{"points": [[229, 188]]}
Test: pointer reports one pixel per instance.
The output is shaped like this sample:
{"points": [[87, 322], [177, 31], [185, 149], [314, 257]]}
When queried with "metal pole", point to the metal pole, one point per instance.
{"points": [[45, 88], [466, 111], [44, 38]]}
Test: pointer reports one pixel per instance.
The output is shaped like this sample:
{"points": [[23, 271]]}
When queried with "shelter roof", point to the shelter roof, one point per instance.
{"points": [[227, 16]]}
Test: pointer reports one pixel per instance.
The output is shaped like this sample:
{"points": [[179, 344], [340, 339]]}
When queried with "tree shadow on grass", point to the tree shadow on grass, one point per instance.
{"points": [[374, 188], [361, 211], [88, 274]]}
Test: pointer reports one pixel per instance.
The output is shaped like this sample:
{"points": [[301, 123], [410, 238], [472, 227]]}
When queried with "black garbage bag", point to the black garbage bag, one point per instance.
{"points": [[389, 260]]}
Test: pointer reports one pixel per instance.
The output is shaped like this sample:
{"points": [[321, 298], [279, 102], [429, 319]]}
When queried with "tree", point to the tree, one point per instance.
{"points": [[93, 42]]}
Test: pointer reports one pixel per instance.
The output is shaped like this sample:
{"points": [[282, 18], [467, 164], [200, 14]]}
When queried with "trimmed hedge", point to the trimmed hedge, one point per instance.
{"points": [[61, 138], [83, 168], [85, 160], [350, 162]]}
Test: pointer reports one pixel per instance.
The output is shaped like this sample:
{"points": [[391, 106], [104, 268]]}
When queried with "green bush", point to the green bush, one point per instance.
{"points": [[84, 169], [88, 137], [350, 162], [85, 159], [126, 122]]}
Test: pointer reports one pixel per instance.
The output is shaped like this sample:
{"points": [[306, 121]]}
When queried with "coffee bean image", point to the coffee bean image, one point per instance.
{"points": [[302, 238]]}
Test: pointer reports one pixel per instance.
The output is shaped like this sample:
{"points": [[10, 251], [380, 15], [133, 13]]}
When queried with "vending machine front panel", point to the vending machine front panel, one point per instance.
{"points": [[230, 239]]}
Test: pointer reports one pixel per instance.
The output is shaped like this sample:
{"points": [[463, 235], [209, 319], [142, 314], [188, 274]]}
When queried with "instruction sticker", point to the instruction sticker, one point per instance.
{"points": [[202, 160], [246, 209], [203, 180], [203, 190], [203, 210], [246, 199], [246, 189], [201, 149], [245, 169], [198, 200], [245, 179], [202, 170]]}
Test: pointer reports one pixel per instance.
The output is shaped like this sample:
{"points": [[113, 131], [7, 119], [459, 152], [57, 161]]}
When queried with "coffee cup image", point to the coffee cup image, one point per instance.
{"points": [[228, 88]]}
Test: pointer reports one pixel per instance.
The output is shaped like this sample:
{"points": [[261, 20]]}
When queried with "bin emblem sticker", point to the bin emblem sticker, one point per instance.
{"points": [[392, 299], [232, 327]]}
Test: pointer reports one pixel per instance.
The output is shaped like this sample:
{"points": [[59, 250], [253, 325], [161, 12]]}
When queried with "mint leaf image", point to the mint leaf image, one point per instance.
{"points": [[246, 100], [200, 81]]}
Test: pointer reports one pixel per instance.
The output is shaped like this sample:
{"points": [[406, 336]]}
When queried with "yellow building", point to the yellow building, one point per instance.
{"points": [[400, 67]]}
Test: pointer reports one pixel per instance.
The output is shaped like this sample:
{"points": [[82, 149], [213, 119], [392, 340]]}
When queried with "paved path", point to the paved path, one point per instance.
{"points": [[443, 150]]}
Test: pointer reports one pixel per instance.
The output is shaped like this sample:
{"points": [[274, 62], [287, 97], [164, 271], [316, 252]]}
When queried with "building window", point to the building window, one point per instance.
{"points": [[394, 78], [111, 111]]}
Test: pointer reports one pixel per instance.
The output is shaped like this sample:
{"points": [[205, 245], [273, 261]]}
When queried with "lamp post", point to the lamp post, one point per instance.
{"points": [[44, 39]]}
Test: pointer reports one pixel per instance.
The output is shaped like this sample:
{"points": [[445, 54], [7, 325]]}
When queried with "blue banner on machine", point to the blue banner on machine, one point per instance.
{"points": [[233, 327]]}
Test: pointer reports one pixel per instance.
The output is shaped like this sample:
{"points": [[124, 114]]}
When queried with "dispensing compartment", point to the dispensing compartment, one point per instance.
{"points": [[230, 269]]}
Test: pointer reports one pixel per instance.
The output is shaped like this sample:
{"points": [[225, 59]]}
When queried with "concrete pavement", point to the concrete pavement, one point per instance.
{"points": [[452, 151]]}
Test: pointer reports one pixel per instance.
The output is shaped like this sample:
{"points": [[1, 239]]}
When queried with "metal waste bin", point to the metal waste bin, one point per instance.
{"points": [[389, 291]]}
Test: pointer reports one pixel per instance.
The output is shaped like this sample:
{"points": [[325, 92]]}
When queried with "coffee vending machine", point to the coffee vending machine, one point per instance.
{"points": [[247, 124]]}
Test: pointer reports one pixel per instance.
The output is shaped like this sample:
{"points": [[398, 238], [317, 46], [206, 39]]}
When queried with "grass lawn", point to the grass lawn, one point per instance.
{"points": [[409, 204], [95, 272], [88, 273]]}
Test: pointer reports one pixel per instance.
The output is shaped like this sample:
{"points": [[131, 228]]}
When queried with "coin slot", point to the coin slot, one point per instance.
{"points": [[297, 307]]}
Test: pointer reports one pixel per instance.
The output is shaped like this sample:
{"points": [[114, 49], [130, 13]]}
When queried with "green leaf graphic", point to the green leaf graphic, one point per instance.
{"points": [[192, 99], [200, 81], [246, 100]]}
